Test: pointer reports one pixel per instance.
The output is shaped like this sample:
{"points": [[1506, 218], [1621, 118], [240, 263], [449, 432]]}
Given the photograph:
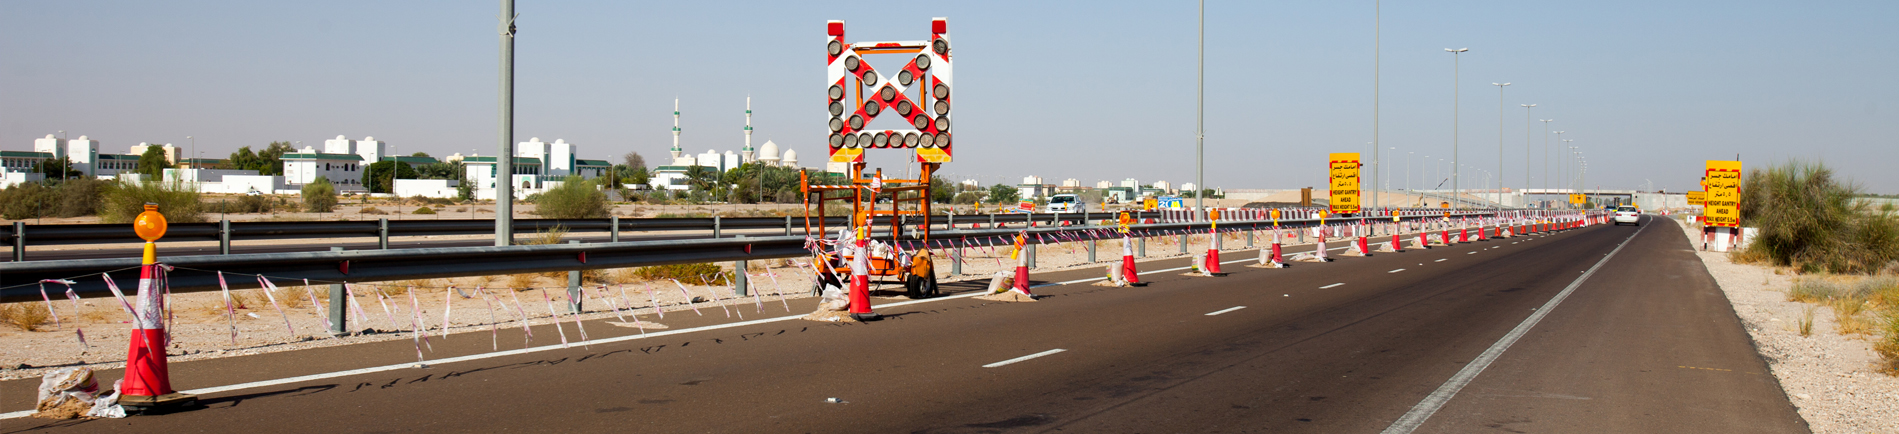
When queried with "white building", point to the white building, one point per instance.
{"points": [[1071, 182], [1163, 186], [1131, 183], [82, 152], [1187, 187], [1104, 184], [344, 169]]}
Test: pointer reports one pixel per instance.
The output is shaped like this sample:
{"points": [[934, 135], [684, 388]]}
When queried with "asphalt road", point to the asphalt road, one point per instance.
{"points": [[1646, 344]]}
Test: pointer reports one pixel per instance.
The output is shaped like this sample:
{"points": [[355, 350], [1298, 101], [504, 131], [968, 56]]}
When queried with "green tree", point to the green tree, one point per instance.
{"points": [[633, 160], [271, 160], [381, 176], [941, 190], [1003, 194], [704, 179], [244, 159], [152, 163], [58, 169], [319, 196], [420, 154]]}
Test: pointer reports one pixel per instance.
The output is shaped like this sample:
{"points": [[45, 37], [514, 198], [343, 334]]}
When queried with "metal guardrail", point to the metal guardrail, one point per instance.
{"points": [[198, 273], [21, 235]]}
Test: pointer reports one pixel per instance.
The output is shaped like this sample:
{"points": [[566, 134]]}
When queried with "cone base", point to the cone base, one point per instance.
{"points": [[866, 316], [157, 404]]}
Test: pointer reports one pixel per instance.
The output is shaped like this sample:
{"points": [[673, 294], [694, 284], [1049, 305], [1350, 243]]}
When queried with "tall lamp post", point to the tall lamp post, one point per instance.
{"points": [[1407, 170], [504, 160], [1499, 143], [1377, 163], [1546, 155], [1456, 70], [194, 145], [1200, 119], [1560, 180], [1528, 129]]}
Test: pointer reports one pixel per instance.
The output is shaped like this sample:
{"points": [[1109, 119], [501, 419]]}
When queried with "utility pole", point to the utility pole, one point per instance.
{"points": [[1456, 71], [1377, 163], [1499, 144], [504, 161], [1200, 120]]}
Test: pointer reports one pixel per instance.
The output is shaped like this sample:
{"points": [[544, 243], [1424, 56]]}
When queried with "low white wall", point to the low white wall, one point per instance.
{"points": [[431, 188]]}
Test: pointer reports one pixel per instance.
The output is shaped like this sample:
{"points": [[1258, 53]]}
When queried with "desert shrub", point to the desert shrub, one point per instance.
{"points": [[26, 316], [423, 210], [1812, 290], [319, 196], [79, 197], [1888, 345], [27, 200], [1811, 221], [575, 198], [248, 204], [552, 235], [703, 273], [372, 210], [124, 201]]}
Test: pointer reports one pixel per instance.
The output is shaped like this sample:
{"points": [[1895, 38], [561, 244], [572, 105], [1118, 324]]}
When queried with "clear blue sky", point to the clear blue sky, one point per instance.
{"points": [[1088, 90]]}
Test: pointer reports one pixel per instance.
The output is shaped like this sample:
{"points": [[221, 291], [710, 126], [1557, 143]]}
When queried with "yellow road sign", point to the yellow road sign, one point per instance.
{"points": [[1345, 188], [1721, 207], [1697, 198]]}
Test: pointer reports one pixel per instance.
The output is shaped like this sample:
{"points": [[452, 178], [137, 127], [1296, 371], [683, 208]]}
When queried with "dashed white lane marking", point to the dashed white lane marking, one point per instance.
{"points": [[1471, 253], [1221, 311], [1394, 271], [1335, 285], [1019, 359], [1442, 260]]}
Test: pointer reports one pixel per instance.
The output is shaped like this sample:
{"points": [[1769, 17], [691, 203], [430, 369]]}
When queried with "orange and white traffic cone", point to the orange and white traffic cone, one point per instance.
{"points": [[860, 282], [147, 384], [1127, 263], [1022, 275]]}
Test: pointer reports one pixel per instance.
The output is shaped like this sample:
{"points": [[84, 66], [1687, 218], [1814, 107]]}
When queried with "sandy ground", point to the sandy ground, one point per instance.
{"points": [[201, 329], [1830, 377]]}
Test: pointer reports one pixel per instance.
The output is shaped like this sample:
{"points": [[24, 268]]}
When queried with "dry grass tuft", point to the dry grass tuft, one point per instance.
{"points": [[1806, 320], [522, 282], [26, 316]]}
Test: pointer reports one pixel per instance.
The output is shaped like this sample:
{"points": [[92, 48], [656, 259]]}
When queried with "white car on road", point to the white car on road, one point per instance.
{"points": [[1627, 214]]}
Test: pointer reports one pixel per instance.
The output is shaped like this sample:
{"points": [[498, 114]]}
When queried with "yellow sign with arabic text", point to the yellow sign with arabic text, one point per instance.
{"points": [[1344, 175], [1697, 198], [1723, 201]]}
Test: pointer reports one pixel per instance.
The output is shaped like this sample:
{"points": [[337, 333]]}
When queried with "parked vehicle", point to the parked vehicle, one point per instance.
{"points": [[1066, 203]]}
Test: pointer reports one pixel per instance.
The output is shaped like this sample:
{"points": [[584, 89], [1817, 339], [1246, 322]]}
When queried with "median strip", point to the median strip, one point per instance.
{"points": [[1019, 359]]}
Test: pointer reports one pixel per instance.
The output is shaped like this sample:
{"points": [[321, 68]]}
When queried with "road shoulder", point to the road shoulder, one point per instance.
{"points": [[1829, 377]]}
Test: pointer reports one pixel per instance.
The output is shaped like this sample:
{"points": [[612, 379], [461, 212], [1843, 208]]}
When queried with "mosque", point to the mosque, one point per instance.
{"points": [[673, 176]]}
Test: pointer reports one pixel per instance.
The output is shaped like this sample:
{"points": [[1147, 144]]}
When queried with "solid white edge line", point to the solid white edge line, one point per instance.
{"points": [[1436, 400], [1442, 260], [1335, 285], [1221, 311], [1394, 271], [471, 357], [1018, 359]]}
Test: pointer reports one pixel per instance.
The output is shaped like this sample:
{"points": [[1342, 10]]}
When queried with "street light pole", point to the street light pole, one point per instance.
{"points": [[1456, 71], [1546, 155], [1200, 119], [1377, 35], [1561, 181], [1499, 142], [1407, 170], [1528, 129], [504, 161]]}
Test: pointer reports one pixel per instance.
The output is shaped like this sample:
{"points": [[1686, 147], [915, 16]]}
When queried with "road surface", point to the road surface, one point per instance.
{"points": [[1646, 343]]}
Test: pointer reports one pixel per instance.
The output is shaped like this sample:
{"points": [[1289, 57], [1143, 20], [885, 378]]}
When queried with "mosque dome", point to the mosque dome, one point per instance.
{"points": [[769, 152], [791, 157]]}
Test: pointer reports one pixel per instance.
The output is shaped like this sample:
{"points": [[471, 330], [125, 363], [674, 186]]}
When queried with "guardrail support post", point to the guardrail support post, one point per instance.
{"points": [[224, 237], [19, 241], [715, 226], [1030, 250], [382, 234], [787, 225], [1091, 249], [613, 233], [1183, 242], [1142, 246], [956, 258], [739, 278], [573, 287], [1249, 239], [339, 309]]}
